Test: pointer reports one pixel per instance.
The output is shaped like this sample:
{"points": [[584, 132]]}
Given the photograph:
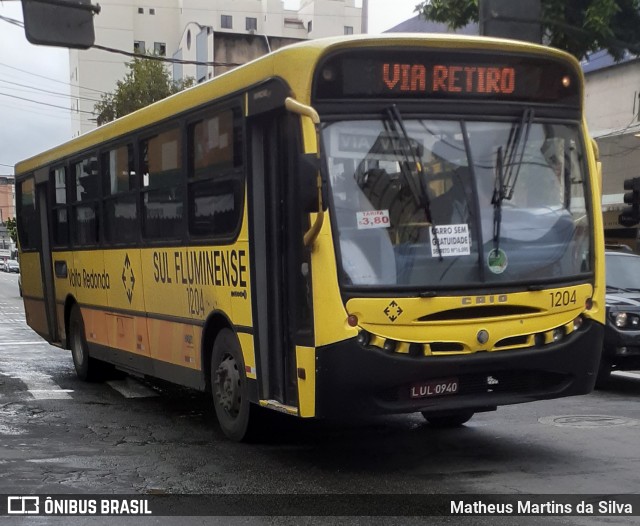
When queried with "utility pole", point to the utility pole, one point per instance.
{"points": [[520, 20], [364, 29]]}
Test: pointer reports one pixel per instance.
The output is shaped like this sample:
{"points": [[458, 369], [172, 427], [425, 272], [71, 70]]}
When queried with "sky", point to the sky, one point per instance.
{"points": [[41, 75]]}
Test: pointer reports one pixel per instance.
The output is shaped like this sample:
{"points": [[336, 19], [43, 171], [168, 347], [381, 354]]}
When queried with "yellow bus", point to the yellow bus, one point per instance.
{"points": [[349, 226]]}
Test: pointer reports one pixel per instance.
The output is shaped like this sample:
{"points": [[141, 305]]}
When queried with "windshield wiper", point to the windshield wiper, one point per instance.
{"points": [[497, 198], [408, 156], [505, 179], [516, 146]]}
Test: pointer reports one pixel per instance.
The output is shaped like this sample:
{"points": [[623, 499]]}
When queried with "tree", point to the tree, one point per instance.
{"points": [[578, 26], [147, 81], [12, 229]]}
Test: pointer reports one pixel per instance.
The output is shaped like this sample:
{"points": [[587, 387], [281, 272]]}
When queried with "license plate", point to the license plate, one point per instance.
{"points": [[445, 387]]}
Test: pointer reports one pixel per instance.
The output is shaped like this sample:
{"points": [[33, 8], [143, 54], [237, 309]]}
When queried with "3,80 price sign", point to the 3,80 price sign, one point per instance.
{"points": [[373, 219]]}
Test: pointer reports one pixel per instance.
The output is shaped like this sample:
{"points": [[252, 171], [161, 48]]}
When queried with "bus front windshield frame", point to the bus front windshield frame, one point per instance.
{"points": [[434, 203]]}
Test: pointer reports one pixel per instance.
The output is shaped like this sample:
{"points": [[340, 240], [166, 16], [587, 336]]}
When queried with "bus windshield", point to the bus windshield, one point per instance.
{"points": [[442, 203]]}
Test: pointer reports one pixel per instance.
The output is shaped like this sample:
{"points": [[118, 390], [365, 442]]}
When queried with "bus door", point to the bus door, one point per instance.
{"points": [[42, 209], [280, 264]]}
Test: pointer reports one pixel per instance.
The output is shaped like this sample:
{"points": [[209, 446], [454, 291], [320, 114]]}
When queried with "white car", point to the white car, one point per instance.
{"points": [[12, 266]]}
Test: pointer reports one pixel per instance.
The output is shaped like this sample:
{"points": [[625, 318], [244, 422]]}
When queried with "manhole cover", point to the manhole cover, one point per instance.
{"points": [[588, 421]]}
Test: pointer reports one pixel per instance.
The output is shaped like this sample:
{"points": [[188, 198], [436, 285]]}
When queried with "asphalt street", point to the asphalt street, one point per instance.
{"points": [[133, 436]]}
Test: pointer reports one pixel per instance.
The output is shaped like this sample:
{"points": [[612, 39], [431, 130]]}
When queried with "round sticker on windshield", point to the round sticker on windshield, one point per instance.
{"points": [[497, 261]]}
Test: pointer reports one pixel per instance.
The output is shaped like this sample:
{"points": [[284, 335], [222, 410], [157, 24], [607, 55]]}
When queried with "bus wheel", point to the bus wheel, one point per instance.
{"points": [[229, 388], [603, 378], [444, 421], [87, 368]]}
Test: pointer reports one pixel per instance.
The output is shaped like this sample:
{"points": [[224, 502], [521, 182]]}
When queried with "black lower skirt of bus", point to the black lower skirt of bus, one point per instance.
{"points": [[352, 380]]}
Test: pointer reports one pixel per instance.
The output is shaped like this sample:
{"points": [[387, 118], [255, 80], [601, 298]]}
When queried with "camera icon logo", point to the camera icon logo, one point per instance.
{"points": [[29, 505]]}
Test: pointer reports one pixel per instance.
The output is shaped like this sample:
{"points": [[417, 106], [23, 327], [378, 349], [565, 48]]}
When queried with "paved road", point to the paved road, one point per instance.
{"points": [[60, 435]]}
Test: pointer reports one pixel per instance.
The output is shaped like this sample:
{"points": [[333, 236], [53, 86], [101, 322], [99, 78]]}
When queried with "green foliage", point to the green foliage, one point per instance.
{"points": [[147, 81], [455, 13], [12, 229], [577, 26]]}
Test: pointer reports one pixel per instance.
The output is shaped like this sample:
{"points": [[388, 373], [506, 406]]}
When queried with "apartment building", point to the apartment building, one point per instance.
{"points": [[7, 198], [7, 210], [222, 31], [612, 103]]}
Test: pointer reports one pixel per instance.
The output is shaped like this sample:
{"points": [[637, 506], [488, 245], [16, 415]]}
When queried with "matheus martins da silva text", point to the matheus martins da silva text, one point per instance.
{"points": [[526, 507]]}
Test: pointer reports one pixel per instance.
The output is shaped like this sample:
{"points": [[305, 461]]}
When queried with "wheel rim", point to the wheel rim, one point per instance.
{"points": [[76, 346], [227, 386]]}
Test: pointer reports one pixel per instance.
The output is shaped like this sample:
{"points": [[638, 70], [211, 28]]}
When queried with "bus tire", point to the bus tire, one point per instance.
{"points": [[603, 376], [236, 415], [87, 369], [447, 421]]}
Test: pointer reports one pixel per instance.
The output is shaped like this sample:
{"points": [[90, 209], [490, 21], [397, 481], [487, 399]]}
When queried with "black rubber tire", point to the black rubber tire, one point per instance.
{"points": [[237, 416], [603, 377], [447, 421], [87, 368]]}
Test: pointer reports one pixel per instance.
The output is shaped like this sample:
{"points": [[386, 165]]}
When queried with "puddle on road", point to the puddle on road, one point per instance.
{"points": [[11, 430], [588, 421]]}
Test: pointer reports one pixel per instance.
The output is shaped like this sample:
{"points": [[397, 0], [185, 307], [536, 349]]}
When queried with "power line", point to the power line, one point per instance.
{"points": [[139, 55], [12, 21], [52, 79], [45, 113], [164, 59], [46, 104], [48, 91]]}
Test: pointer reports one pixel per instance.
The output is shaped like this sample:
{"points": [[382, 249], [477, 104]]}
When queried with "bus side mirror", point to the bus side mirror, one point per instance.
{"points": [[309, 182], [59, 23]]}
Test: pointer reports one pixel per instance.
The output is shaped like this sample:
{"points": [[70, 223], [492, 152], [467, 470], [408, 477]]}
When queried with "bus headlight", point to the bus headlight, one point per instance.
{"points": [[577, 323], [390, 345], [558, 334], [363, 338]]}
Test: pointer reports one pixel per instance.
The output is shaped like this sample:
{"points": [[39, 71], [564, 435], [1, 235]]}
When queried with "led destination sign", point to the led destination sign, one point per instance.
{"points": [[433, 74], [450, 79]]}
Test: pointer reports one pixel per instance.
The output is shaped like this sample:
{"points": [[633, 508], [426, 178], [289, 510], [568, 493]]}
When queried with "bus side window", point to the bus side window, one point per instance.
{"points": [[215, 180], [162, 187], [87, 197], [120, 205], [59, 211]]}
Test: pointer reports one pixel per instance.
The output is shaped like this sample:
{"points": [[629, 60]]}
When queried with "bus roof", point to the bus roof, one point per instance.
{"points": [[295, 64]]}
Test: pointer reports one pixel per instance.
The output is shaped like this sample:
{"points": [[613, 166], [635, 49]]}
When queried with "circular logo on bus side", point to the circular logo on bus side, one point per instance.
{"points": [[497, 261]]}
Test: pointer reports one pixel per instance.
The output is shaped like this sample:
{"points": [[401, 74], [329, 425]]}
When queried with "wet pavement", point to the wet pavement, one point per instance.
{"points": [[60, 435]]}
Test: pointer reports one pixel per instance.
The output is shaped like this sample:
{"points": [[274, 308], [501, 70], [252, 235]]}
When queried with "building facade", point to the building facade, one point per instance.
{"points": [[221, 31], [7, 211], [612, 101], [7, 198]]}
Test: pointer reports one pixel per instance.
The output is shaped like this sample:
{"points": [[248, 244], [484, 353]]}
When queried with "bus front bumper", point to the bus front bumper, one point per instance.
{"points": [[352, 380]]}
